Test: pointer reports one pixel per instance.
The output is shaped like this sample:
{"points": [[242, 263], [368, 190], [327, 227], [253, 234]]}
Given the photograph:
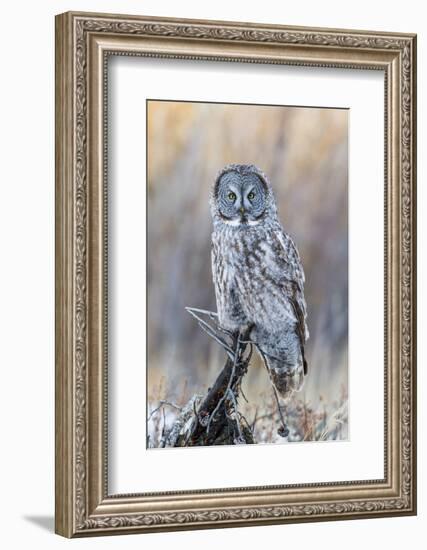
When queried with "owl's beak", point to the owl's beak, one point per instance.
{"points": [[242, 210]]}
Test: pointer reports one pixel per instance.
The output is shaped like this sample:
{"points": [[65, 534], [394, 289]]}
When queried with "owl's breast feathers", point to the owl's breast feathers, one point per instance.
{"points": [[258, 278], [259, 281]]}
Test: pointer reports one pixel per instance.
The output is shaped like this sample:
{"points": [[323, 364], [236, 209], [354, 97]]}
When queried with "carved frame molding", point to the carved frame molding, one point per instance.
{"points": [[83, 43]]}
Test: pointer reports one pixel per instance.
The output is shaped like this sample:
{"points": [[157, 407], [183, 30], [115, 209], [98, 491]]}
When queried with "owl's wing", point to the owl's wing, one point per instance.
{"points": [[214, 263], [292, 280], [217, 266]]}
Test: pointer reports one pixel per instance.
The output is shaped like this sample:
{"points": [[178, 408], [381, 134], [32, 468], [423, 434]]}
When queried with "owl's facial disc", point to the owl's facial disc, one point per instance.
{"points": [[241, 198]]}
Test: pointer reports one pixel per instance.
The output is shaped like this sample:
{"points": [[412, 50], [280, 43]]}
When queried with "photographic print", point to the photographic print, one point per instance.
{"points": [[247, 274]]}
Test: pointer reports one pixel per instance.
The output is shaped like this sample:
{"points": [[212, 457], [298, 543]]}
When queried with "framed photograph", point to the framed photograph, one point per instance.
{"points": [[235, 274]]}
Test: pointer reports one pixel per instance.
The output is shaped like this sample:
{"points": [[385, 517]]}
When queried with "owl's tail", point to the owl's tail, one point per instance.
{"points": [[285, 377]]}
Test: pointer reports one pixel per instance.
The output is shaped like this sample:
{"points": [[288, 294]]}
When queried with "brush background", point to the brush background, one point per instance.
{"points": [[304, 152]]}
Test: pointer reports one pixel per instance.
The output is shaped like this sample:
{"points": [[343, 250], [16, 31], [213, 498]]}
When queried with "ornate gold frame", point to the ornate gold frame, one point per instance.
{"points": [[83, 42]]}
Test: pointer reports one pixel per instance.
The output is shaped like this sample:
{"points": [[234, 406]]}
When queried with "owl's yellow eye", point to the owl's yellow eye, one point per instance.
{"points": [[232, 196], [251, 196]]}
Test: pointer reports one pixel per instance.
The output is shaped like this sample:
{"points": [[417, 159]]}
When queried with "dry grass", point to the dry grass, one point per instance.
{"points": [[307, 420]]}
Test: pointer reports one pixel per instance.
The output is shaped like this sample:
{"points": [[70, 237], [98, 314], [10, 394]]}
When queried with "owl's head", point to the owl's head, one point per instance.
{"points": [[242, 196]]}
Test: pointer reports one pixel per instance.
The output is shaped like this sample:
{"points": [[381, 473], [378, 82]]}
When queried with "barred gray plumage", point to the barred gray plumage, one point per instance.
{"points": [[257, 273]]}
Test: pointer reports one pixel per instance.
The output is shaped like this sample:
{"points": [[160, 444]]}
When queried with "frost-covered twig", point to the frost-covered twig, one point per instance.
{"points": [[283, 431], [205, 421], [162, 403]]}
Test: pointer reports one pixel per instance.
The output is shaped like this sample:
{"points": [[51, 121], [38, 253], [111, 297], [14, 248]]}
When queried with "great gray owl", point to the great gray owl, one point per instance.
{"points": [[257, 273]]}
